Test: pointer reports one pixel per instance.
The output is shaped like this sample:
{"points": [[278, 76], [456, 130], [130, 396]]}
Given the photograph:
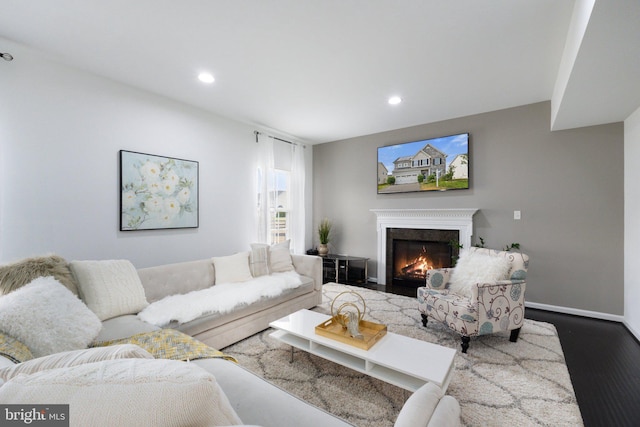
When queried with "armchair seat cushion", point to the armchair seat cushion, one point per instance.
{"points": [[430, 299], [455, 311]]}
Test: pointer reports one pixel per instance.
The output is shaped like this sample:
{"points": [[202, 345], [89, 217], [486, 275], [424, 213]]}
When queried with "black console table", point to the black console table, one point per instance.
{"points": [[344, 269]]}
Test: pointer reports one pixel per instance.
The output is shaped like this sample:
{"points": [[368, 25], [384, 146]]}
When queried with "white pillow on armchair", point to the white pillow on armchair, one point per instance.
{"points": [[473, 268]]}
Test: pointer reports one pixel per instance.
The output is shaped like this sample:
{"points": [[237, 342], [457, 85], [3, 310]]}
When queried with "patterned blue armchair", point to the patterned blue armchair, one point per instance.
{"points": [[487, 307]]}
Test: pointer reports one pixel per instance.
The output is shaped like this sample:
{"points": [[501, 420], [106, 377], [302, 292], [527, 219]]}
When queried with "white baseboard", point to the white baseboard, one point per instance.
{"points": [[633, 331], [569, 310], [577, 312]]}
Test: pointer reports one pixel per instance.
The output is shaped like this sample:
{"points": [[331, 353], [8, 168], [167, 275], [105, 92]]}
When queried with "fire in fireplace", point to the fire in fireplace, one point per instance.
{"points": [[412, 252], [413, 259]]}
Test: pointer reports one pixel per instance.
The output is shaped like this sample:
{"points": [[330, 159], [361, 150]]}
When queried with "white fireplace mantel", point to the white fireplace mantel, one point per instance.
{"points": [[436, 219]]}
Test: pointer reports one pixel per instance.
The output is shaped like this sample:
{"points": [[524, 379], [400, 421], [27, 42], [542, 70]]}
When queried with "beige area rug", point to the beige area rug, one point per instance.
{"points": [[498, 383]]}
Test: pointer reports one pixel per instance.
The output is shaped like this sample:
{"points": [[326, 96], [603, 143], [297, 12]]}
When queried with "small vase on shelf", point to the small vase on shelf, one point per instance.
{"points": [[324, 228], [323, 250]]}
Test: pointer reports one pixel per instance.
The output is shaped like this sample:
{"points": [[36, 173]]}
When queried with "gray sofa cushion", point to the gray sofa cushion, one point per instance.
{"points": [[177, 278], [123, 327]]}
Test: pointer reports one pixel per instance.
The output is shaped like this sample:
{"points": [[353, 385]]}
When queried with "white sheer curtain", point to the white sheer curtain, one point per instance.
{"points": [[265, 176], [297, 226], [293, 162]]}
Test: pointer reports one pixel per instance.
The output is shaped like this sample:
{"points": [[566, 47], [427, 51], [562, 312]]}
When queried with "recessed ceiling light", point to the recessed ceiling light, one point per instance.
{"points": [[395, 100], [206, 78]]}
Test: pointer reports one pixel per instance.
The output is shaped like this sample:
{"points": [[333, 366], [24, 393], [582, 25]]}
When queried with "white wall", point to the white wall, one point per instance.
{"points": [[631, 222], [60, 133]]}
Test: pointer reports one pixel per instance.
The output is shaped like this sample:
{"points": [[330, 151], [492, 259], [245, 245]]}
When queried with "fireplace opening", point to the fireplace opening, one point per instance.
{"points": [[412, 252]]}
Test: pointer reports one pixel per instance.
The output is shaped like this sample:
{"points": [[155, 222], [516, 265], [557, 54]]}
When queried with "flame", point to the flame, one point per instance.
{"points": [[418, 267]]}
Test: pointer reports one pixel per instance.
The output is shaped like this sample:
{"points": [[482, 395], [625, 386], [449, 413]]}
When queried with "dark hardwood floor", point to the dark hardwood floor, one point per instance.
{"points": [[603, 359]]}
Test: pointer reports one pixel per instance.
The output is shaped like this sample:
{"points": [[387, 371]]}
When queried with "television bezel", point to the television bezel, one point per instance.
{"points": [[437, 143]]}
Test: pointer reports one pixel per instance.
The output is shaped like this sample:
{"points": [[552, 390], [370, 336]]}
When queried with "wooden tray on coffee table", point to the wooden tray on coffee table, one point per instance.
{"points": [[371, 332]]}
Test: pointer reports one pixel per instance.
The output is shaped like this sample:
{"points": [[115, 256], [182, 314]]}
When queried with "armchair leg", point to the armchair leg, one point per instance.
{"points": [[465, 343], [425, 319], [514, 335]]}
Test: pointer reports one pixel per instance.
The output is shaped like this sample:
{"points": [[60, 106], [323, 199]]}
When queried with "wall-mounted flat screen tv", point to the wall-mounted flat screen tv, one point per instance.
{"points": [[436, 164]]}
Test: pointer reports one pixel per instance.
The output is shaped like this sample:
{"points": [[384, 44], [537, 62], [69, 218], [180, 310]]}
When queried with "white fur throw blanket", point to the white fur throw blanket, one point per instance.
{"points": [[221, 298]]}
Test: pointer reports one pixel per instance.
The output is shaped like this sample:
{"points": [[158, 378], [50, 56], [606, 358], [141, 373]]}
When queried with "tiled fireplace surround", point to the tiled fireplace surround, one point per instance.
{"points": [[460, 220]]}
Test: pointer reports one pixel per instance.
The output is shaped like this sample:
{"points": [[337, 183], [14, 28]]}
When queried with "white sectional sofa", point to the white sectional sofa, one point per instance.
{"points": [[113, 295]]}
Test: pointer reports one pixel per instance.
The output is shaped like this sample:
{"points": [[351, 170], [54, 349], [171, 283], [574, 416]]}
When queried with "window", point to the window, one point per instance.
{"points": [[421, 162], [280, 198]]}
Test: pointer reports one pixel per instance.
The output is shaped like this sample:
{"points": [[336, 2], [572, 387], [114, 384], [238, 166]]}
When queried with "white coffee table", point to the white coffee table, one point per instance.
{"points": [[396, 359]]}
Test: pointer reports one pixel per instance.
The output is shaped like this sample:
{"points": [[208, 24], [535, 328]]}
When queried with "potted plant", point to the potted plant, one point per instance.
{"points": [[324, 228]]}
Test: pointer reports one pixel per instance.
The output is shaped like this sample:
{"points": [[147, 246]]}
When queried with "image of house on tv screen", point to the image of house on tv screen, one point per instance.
{"points": [[437, 164]]}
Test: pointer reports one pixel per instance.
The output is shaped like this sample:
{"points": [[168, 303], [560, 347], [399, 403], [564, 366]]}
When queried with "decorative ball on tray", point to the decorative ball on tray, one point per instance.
{"points": [[349, 311]]}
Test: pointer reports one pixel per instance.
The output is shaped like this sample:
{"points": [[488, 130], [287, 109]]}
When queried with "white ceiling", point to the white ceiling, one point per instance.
{"points": [[322, 70]]}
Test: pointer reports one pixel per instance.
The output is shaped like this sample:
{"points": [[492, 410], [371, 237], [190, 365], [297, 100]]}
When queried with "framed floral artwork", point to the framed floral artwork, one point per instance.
{"points": [[157, 192]]}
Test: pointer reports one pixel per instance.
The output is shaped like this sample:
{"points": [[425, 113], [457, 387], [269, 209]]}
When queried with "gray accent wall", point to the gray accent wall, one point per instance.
{"points": [[568, 185]]}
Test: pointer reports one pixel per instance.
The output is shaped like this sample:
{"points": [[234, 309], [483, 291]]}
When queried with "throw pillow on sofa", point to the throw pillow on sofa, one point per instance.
{"points": [[67, 359], [232, 268], [18, 274], [280, 257], [128, 392], [47, 318], [267, 259], [259, 259], [110, 288]]}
